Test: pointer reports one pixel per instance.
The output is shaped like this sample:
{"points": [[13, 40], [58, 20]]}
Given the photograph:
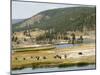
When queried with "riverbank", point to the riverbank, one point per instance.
{"points": [[83, 61], [54, 69], [24, 49], [83, 54]]}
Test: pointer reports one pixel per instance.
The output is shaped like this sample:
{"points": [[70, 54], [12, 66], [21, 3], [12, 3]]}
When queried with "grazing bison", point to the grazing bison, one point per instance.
{"points": [[44, 57], [37, 57], [31, 56], [24, 58], [16, 58], [80, 53], [57, 56], [65, 56]]}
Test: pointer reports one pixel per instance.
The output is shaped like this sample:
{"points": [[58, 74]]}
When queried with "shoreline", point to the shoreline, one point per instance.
{"points": [[84, 54], [64, 63], [54, 69]]}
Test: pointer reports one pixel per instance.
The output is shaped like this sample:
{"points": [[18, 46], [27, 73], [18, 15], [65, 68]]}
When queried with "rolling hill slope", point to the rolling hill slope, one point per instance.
{"points": [[62, 19]]}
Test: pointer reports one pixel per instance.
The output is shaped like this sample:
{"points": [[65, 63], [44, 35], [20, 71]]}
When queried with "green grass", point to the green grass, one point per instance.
{"points": [[49, 64], [80, 64], [33, 49]]}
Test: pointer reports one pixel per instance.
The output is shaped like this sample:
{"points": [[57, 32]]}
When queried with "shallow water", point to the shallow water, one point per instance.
{"points": [[30, 70], [65, 45]]}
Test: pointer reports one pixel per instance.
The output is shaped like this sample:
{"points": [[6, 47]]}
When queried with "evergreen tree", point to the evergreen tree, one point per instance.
{"points": [[73, 38]]}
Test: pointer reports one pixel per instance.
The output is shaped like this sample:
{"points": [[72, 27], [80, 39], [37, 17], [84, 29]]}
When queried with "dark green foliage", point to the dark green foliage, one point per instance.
{"points": [[73, 38], [80, 64], [65, 65], [25, 32], [25, 39], [14, 39], [81, 39]]}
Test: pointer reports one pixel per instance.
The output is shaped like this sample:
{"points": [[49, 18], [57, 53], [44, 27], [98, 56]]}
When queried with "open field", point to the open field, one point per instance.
{"points": [[84, 53], [58, 63]]}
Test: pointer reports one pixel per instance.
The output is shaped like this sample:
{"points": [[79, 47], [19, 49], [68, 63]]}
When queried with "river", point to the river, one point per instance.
{"points": [[65, 45], [40, 70]]}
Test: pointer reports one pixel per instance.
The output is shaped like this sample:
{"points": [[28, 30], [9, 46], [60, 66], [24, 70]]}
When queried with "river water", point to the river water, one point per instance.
{"points": [[38, 70], [65, 45]]}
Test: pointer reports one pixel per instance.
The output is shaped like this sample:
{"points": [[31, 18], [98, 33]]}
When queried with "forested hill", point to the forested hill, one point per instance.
{"points": [[62, 19], [14, 21]]}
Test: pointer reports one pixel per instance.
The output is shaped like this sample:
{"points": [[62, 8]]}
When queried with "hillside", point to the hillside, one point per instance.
{"points": [[14, 21], [62, 19]]}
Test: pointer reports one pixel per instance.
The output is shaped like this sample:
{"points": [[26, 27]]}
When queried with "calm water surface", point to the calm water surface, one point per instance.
{"points": [[30, 70]]}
